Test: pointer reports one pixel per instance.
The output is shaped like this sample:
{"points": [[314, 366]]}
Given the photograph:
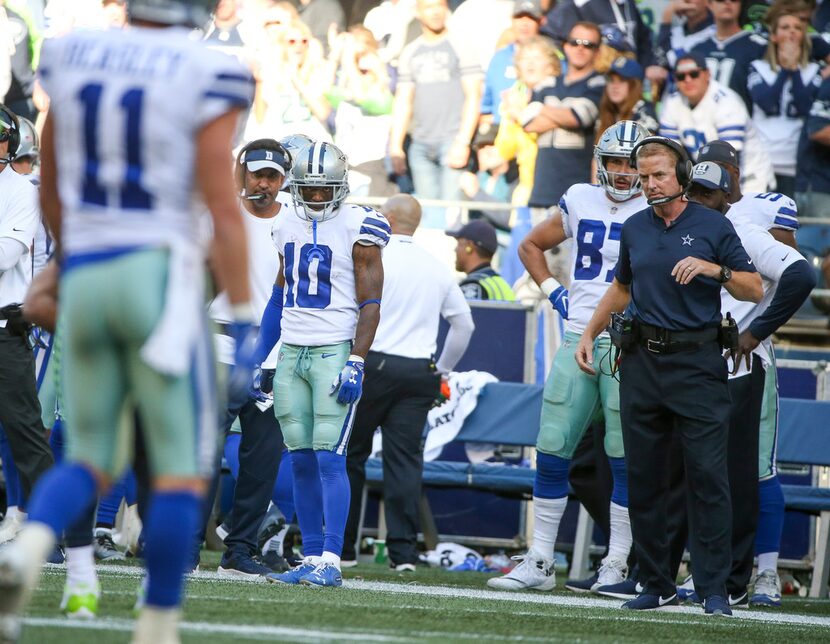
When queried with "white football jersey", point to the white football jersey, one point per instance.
{"points": [[595, 223], [765, 209], [720, 114], [127, 106], [320, 305], [770, 258]]}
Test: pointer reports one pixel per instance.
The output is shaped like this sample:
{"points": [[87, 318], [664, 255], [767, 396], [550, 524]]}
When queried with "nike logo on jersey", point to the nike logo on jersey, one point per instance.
{"points": [[17, 230], [749, 261], [662, 601], [785, 257], [327, 355]]}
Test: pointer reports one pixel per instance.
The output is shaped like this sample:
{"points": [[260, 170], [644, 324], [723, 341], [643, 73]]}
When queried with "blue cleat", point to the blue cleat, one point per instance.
{"points": [[293, 576], [627, 589], [716, 605], [652, 602], [325, 574]]}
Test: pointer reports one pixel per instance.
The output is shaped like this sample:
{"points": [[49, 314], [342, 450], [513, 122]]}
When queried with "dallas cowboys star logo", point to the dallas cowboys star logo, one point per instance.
{"points": [[687, 240]]}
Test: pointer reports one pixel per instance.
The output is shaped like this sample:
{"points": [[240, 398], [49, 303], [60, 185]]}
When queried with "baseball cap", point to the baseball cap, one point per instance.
{"points": [[684, 62], [718, 151], [614, 37], [532, 8], [711, 175], [478, 231], [256, 160], [627, 68]]}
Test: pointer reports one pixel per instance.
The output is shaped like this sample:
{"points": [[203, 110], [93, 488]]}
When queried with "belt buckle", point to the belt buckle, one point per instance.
{"points": [[655, 346]]}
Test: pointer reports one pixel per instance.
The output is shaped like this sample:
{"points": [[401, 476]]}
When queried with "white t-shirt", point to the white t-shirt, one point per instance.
{"points": [[19, 219], [595, 222], [417, 290], [770, 258], [320, 305]]}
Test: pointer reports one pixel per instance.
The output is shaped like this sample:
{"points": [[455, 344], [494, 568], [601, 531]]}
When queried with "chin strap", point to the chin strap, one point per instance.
{"points": [[314, 251]]}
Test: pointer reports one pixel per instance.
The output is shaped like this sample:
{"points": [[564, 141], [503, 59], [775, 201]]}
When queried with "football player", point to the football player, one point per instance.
{"points": [[325, 308], [593, 216], [139, 118]]}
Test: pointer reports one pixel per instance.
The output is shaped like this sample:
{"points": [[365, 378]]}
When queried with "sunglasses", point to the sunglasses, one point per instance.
{"points": [[681, 76], [295, 41], [581, 42]]}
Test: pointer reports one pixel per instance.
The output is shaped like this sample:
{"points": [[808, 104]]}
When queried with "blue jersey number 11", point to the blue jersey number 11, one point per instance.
{"points": [[132, 195]]}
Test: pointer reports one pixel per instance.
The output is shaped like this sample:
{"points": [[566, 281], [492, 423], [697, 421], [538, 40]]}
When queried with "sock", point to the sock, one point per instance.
{"points": [[336, 497], [770, 522], [231, 454], [283, 494], [619, 543], [550, 496], [308, 495], [62, 495], [330, 557], [109, 504], [130, 488], [169, 534], [80, 566]]}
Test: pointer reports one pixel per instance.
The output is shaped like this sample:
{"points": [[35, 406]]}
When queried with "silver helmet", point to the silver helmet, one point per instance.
{"points": [[29, 140], [619, 141], [187, 13], [294, 143], [321, 165]]}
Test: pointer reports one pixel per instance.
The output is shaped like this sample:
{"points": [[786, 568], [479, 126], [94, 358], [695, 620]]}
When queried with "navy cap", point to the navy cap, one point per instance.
{"points": [[480, 232], [719, 151], [711, 175], [687, 58], [614, 37], [532, 8], [627, 68], [256, 160]]}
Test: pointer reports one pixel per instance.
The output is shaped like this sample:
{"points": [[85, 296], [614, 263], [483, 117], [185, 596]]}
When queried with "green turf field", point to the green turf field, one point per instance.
{"points": [[379, 605]]}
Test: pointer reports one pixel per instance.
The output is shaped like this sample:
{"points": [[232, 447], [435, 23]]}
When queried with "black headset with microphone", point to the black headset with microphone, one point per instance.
{"points": [[10, 133], [269, 145], [682, 168]]}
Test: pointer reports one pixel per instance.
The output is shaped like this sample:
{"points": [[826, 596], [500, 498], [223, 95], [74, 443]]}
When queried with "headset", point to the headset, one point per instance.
{"points": [[682, 169], [270, 145], [11, 133]]}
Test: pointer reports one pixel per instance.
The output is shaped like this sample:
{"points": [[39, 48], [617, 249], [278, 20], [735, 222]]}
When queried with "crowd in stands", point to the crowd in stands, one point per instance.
{"points": [[502, 100]]}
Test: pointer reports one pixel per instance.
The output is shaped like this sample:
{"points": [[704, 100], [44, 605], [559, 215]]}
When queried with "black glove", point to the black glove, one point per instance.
{"points": [[266, 382]]}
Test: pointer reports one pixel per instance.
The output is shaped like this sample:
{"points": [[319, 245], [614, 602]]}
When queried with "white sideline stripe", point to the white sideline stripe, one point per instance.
{"points": [[414, 588], [238, 630]]}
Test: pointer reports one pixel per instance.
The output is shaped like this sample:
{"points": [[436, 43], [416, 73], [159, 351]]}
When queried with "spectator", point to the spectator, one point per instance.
{"points": [[614, 45], [620, 13], [320, 16], [813, 177], [783, 86], [703, 110], [730, 50], [437, 102], [473, 256], [537, 62], [362, 102], [291, 90], [115, 13], [19, 95], [563, 112], [623, 97], [684, 24], [224, 29], [491, 179], [481, 24], [501, 72]]}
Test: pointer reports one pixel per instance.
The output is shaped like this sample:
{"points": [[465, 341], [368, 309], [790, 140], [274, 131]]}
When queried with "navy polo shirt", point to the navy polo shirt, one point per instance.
{"points": [[649, 251]]}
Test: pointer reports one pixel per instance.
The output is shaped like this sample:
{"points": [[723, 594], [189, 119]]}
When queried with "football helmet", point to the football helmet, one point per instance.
{"points": [[29, 140], [9, 131], [321, 165], [296, 142], [618, 141], [186, 13]]}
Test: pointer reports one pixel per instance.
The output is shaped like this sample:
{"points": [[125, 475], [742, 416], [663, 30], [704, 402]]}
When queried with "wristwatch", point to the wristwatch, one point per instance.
{"points": [[725, 274]]}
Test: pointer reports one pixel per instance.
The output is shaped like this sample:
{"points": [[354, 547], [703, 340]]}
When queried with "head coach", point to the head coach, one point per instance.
{"points": [[674, 258]]}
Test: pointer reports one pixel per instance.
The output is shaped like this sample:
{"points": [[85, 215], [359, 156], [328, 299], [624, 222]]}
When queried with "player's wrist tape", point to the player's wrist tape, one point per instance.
{"points": [[549, 286], [362, 304], [242, 312], [355, 358]]}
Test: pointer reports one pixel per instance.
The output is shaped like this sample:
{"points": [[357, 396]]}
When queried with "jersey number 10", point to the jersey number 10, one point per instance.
{"points": [[132, 195], [313, 287]]}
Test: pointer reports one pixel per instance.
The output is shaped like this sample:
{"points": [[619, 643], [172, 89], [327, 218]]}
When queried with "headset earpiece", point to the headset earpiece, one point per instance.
{"points": [[13, 135], [683, 167], [468, 249]]}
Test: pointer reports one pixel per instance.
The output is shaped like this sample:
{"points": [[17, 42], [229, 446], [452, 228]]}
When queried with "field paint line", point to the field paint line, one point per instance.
{"points": [[236, 630], [415, 588]]}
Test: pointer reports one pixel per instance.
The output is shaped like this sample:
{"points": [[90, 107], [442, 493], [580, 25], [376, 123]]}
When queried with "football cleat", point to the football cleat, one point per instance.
{"points": [[80, 600], [238, 566], [583, 585], [767, 591], [686, 590], [18, 573], [324, 575], [272, 530], [293, 576], [11, 525], [716, 605], [529, 574], [612, 571], [105, 549], [274, 561], [651, 602], [404, 567], [627, 589]]}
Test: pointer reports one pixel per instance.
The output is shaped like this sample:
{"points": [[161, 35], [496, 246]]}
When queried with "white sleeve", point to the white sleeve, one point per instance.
{"points": [[566, 216], [770, 257], [458, 338], [11, 250], [227, 85], [454, 301], [731, 120], [374, 230], [22, 214]]}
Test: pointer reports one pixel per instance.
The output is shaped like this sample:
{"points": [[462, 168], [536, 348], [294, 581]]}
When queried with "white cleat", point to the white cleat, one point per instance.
{"points": [[612, 571], [13, 576], [529, 574], [157, 626], [12, 524], [767, 591]]}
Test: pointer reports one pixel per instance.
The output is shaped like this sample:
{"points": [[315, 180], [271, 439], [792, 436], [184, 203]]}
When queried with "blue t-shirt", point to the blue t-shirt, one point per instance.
{"points": [[813, 170], [649, 251], [728, 60], [501, 75]]}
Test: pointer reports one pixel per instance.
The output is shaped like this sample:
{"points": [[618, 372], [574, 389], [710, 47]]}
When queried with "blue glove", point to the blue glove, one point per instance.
{"points": [[559, 299], [242, 372], [255, 393], [349, 382]]}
